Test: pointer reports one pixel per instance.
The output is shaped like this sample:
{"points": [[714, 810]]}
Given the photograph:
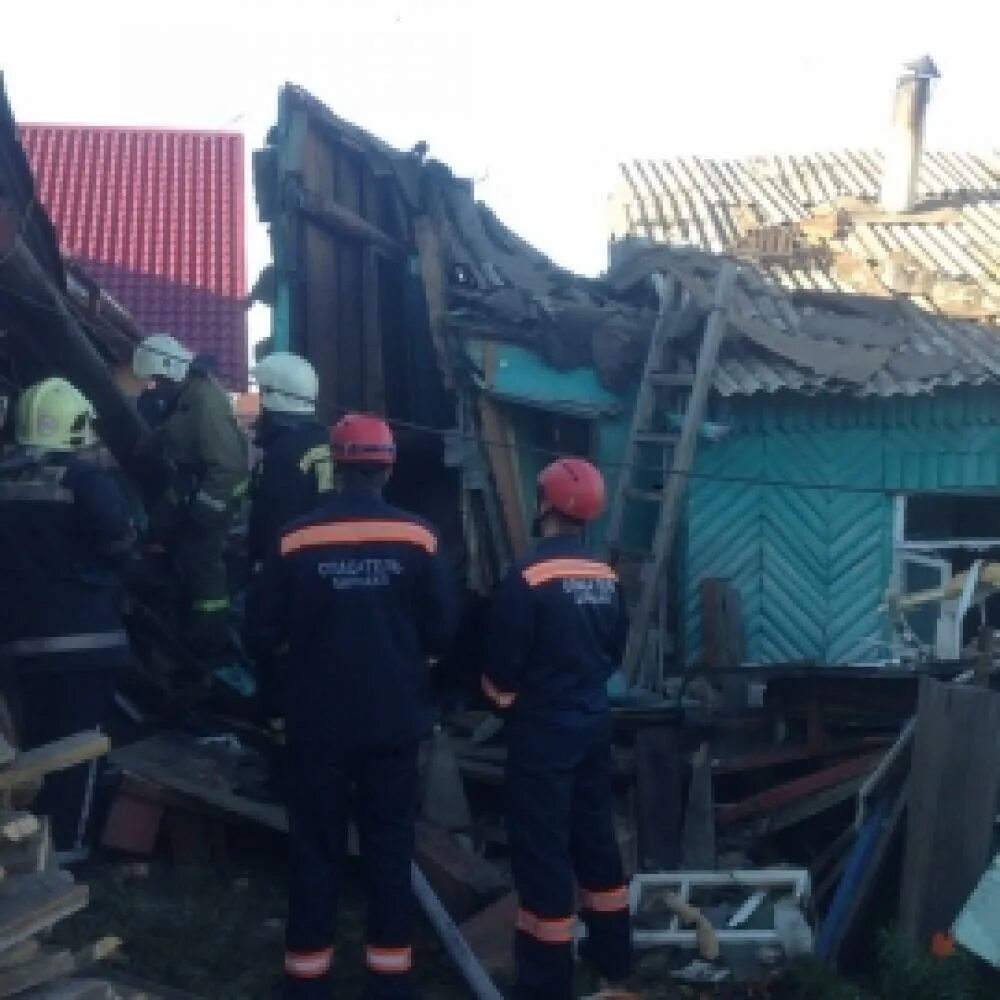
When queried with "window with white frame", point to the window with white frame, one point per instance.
{"points": [[938, 536]]}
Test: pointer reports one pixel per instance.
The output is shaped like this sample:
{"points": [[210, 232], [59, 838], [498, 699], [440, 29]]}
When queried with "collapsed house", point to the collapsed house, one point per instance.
{"points": [[850, 427], [858, 383]]}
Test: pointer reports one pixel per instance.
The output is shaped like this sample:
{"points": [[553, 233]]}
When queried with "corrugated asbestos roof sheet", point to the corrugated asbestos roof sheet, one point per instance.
{"points": [[157, 218], [813, 230]]}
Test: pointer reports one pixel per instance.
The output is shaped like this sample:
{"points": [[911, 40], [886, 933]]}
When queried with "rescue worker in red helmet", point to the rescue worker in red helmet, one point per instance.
{"points": [[359, 591], [558, 635]]}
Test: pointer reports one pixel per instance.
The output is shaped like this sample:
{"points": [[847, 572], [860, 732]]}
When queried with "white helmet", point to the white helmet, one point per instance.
{"points": [[161, 356], [288, 383], [56, 416]]}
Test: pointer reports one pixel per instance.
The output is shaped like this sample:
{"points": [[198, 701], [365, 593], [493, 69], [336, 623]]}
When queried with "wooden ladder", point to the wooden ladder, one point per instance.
{"points": [[662, 392]]}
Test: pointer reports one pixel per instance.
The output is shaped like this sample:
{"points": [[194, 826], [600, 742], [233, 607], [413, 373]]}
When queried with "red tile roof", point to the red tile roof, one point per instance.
{"points": [[156, 216]]}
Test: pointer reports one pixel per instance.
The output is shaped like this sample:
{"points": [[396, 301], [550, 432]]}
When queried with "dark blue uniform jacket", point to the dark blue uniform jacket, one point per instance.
{"points": [[360, 593], [65, 538], [290, 480], [558, 634]]}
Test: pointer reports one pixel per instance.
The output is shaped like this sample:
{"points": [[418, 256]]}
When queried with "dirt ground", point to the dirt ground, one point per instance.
{"points": [[217, 931]]}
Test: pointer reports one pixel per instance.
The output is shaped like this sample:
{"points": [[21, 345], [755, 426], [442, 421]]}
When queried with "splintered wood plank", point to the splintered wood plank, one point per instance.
{"points": [[954, 783], [33, 903], [180, 763], [57, 756], [20, 953], [659, 805], [794, 791], [43, 968]]}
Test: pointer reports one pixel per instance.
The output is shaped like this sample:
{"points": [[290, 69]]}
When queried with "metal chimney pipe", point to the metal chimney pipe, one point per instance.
{"points": [[901, 166]]}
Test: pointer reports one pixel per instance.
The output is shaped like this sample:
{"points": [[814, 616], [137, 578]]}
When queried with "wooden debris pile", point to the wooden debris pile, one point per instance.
{"points": [[35, 894]]}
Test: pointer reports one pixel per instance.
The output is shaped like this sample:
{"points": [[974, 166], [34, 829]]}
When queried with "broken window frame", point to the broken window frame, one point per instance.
{"points": [[933, 554]]}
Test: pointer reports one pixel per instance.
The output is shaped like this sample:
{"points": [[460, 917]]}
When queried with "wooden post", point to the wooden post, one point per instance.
{"points": [[676, 486], [954, 784], [984, 661]]}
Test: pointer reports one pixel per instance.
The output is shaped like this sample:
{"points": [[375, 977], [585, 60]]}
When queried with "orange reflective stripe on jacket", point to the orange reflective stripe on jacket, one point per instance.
{"points": [[308, 964], [503, 699], [389, 960], [552, 930], [605, 900], [566, 569], [357, 533]]}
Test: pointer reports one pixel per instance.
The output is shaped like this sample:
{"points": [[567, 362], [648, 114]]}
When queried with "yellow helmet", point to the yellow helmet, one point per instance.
{"points": [[54, 415]]}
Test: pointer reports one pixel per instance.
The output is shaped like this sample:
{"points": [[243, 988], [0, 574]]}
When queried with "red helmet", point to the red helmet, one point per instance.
{"points": [[362, 439], [573, 487]]}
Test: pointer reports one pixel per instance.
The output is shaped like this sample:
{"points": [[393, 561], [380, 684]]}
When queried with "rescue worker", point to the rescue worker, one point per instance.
{"points": [[360, 591], [293, 475], [295, 469], [65, 540], [206, 453], [558, 635]]}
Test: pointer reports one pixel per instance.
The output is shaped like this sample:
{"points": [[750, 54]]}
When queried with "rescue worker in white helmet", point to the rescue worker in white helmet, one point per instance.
{"points": [[206, 452], [293, 476], [65, 541], [295, 469]]}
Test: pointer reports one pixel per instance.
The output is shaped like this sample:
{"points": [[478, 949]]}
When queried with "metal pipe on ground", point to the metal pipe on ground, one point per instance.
{"points": [[457, 947]]}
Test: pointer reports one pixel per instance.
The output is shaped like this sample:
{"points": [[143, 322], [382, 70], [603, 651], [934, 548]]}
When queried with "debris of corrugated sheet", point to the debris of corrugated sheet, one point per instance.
{"points": [[818, 240], [156, 216]]}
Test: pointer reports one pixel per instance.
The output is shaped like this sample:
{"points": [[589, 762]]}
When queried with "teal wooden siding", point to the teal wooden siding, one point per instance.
{"points": [[808, 543]]}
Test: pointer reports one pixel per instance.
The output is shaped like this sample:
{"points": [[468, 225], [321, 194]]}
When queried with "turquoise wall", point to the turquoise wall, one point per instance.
{"points": [[795, 507]]}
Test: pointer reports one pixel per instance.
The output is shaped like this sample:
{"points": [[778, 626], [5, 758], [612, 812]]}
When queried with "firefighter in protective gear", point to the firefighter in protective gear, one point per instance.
{"points": [[558, 636], [65, 540], [206, 453], [359, 591], [295, 470], [292, 477]]}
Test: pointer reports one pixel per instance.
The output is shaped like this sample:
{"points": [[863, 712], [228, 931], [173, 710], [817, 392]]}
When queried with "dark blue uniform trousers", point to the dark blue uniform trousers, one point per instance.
{"points": [[381, 789], [561, 833]]}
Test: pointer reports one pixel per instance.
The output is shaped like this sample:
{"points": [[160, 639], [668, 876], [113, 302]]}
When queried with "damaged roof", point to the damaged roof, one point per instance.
{"points": [[854, 297], [495, 285]]}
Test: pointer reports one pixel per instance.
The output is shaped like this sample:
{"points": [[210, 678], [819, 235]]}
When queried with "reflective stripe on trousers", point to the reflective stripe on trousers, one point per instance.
{"points": [[308, 964], [65, 643], [389, 960]]}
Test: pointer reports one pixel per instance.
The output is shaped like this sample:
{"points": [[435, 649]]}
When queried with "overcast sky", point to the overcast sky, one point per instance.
{"points": [[537, 101]]}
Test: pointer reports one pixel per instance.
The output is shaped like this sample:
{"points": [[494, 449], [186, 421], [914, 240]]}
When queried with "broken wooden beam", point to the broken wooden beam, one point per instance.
{"points": [[33, 903], [33, 765], [793, 791], [659, 804], [330, 214]]}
